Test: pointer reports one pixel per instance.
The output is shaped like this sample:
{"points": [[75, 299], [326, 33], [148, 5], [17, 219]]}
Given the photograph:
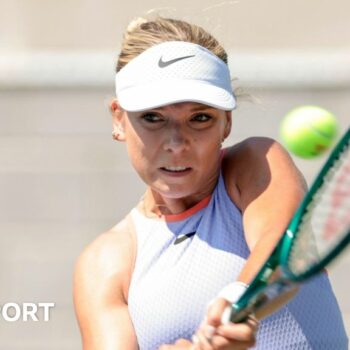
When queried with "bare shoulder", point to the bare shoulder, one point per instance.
{"points": [[255, 148], [256, 162], [106, 264], [101, 282]]}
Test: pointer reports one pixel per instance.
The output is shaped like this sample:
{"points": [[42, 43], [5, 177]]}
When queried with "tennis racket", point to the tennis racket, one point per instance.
{"points": [[318, 232]]}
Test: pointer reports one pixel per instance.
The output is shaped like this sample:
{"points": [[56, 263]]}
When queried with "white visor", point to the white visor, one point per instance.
{"points": [[173, 72]]}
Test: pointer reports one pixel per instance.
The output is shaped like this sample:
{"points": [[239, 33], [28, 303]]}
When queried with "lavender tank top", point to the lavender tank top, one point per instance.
{"points": [[182, 262]]}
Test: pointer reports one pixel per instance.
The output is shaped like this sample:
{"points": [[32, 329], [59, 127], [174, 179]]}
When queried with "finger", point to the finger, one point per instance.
{"points": [[204, 335], [183, 342], [239, 331], [222, 343], [226, 315], [180, 344], [253, 321], [215, 311], [230, 336], [202, 342]]}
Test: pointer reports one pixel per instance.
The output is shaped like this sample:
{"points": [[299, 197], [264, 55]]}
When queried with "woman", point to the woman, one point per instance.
{"points": [[209, 216]]}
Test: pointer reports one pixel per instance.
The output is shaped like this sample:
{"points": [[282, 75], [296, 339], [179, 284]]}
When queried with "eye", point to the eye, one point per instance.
{"points": [[201, 117], [151, 117]]}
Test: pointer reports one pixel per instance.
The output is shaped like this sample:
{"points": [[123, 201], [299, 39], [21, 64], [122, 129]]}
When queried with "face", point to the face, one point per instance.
{"points": [[175, 149]]}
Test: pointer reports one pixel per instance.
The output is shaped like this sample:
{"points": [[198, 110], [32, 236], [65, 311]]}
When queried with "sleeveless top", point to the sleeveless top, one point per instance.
{"points": [[176, 276]]}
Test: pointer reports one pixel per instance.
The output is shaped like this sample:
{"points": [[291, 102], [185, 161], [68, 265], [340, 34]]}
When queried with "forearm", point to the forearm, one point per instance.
{"points": [[260, 252], [270, 192]]}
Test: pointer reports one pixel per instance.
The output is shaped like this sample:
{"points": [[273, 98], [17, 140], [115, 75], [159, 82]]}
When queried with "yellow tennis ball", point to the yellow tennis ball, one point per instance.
{"points": [[308, 131]]}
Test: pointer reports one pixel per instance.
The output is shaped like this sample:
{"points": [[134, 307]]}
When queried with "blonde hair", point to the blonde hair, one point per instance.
{"points": [[143, 33]]}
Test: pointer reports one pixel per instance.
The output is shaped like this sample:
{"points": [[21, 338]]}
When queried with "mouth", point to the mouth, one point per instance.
{"points": [[176, 169]]}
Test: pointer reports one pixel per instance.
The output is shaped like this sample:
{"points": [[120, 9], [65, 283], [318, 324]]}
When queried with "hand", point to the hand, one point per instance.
{"points": [[212, 335], [181, 344]]}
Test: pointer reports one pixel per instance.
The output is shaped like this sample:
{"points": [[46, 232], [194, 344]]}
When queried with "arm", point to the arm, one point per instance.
{"points": [[264, 183], [101, 283], [268, 188], [226, 337]]}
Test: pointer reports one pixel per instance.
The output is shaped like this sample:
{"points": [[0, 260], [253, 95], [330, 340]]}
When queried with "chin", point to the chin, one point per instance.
{"points": [[173, 193]]}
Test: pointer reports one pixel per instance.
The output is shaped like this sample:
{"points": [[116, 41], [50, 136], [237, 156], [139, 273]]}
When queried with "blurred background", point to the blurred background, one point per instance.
{"points": [[63, 180]]}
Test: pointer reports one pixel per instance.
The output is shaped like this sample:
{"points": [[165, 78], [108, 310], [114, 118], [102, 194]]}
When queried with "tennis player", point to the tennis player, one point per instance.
{"points": [[208, 219]]}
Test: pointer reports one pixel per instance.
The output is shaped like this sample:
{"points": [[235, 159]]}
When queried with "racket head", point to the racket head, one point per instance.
{"points": [[305, 252], [278, 275]]}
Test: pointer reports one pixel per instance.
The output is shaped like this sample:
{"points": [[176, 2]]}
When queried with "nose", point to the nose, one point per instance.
{"points": [[176, 139]]}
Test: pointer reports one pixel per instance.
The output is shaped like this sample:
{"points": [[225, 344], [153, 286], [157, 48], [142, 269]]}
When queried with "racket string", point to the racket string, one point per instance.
{"points": [[327, 217]]}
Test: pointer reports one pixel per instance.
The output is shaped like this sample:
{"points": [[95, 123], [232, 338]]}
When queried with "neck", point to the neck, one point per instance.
{"points": [[154, 204]]}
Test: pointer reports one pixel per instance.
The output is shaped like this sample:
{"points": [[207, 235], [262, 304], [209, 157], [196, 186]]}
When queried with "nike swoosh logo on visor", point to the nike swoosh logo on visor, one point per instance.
{"points": [[163, 64], [182, 238]]}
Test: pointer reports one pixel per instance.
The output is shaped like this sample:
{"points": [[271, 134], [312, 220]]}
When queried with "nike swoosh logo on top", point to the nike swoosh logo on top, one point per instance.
{"points": [[182, 238], [163, 64]]}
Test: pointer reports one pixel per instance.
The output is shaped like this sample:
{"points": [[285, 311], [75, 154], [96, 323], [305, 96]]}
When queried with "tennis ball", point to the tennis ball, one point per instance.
{"points": [[308, 131]]}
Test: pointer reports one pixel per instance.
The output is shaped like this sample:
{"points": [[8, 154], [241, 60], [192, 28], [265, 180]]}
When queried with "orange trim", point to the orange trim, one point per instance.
{"points": [[184, 215]]}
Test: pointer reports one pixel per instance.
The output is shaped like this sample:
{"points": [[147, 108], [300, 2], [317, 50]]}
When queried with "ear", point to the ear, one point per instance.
{"points": [[228, 124], [118, 120]]}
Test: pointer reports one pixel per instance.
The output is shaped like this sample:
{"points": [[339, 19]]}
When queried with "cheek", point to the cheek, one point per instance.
{"points": [[135, 152], [209, 150], [211, 145], [210, 141], [141, 156], [139, 163]]}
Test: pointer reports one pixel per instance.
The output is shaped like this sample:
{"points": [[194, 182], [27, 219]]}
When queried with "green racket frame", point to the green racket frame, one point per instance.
{"points": [[251, 300], [289, 238]]}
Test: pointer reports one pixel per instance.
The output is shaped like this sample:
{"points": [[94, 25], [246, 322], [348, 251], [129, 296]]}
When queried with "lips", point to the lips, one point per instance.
{"points": [[176, 169]]}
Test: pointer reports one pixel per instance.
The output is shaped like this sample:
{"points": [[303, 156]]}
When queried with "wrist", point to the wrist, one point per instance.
{"points": [[233, 291]]}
